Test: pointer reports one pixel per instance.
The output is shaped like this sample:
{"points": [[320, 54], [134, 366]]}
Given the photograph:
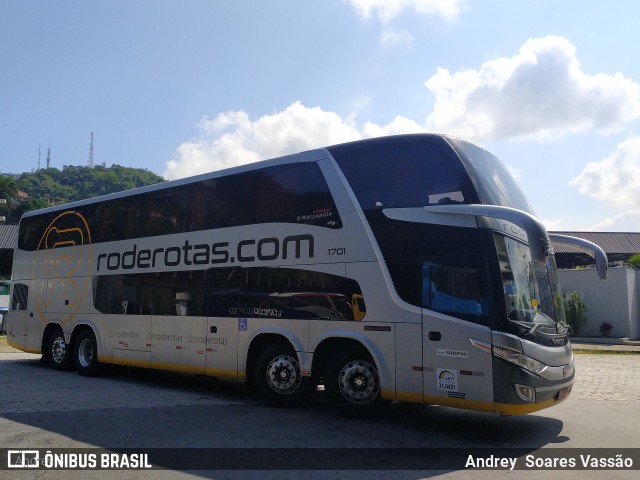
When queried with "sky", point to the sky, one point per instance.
{"points": [[551, 87]]}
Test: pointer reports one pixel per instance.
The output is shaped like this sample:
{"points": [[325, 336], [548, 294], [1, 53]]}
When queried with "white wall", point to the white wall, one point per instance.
{"points": [[616, 300]]}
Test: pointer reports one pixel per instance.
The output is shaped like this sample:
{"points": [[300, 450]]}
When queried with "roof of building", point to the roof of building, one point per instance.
{"points": [[618, 246], [611, 242], [8, 236]]}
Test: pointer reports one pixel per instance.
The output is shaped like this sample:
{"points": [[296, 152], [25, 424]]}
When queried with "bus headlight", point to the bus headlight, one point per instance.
{"points": [[519, 359]]}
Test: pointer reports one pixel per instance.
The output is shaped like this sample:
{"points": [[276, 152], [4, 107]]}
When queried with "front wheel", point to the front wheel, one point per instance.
{"points": [[57, 354], [353, 384], [278, 379], [86, 354]]}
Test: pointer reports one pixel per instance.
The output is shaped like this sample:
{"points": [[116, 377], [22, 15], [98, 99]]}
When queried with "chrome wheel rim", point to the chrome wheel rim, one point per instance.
{"points": [[283, 374], [359, 382], [58, 349], [85, 352]]}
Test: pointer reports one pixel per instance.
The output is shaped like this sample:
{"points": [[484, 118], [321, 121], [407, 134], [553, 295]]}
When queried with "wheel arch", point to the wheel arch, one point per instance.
{"points": [[50, 327], [85, 325], [333, 342], [257, 344]]}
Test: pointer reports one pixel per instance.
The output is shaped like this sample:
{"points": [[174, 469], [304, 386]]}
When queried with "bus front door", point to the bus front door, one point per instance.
{"points": [[21, 320], [456, 345]]}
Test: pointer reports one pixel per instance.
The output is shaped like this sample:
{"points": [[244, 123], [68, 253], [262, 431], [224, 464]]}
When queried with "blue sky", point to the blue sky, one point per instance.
{"points": [[552, 87]]}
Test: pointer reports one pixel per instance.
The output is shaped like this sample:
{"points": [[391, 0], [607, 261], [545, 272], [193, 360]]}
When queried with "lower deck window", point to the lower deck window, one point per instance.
{"points": [[232, 292]]}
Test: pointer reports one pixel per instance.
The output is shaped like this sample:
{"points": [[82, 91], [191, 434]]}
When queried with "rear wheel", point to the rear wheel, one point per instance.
{"points": [[57, 353], [353, 384], [86, 354], [278, 379]]}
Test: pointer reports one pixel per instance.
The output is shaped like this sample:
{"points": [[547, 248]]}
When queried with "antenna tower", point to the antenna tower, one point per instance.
{"points": [[49, 155], [91, 152]]}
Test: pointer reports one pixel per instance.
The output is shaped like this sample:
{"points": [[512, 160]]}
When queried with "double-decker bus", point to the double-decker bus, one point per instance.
{"points": [[405, 268]]}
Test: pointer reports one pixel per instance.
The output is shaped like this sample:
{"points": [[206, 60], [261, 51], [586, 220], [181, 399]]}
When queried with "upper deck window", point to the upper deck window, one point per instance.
{"points": [[289, 193], [411, 171], [495, 184]]}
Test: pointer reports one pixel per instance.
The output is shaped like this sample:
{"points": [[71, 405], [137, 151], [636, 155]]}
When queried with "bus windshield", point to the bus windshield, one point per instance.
{"points": [[530, 290]]}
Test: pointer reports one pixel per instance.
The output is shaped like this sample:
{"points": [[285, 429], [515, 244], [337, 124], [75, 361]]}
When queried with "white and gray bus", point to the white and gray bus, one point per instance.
{"points": [[405, 268]]}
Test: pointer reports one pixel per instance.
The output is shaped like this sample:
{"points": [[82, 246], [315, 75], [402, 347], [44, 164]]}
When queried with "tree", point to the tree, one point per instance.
{"points": [[8, 188], [44, 183], [26, 206], [575, 309], [9, 192], [634, 261], [76, 183]]}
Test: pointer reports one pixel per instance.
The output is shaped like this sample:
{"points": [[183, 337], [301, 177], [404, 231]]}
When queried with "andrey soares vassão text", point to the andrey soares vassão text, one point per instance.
{"points": [[581, 461]]}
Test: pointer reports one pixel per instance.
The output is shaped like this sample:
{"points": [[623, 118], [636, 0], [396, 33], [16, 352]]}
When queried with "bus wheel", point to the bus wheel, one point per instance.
{"points": [[86, 354], [353, 384], [278, 379], [56, 352]]}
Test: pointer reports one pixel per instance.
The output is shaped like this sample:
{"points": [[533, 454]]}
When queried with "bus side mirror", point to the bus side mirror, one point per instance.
{"points": [[585, 246]]}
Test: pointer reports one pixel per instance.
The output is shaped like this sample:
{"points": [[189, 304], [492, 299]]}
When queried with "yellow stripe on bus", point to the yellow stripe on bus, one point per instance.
{"points": [[501, 408], [174, 367]]}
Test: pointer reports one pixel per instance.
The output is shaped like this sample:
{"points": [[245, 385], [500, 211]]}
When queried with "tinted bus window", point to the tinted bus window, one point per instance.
{"points": [[409, 172], [291, 193], [20, 296], [232, 292], [441, 268], [456, 285], [495, 184]]}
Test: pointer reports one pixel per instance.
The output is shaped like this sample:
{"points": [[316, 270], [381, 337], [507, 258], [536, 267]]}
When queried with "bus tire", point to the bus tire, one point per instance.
{"points": [[278, 379], [352, 383], [57, 353], [85, 354]]}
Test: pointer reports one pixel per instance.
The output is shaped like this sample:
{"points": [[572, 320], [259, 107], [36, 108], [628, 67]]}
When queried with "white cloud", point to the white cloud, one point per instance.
{"points": [[398, 126], [389, 9], [541, 92], [232, 138], [392, 38], [626, 221], [553, 224], [614, 180]]}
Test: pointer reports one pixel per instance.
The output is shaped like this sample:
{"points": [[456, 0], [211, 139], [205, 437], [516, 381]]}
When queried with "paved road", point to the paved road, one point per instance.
{"points": [[42, 408], [599, 377], [607, 377]]}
